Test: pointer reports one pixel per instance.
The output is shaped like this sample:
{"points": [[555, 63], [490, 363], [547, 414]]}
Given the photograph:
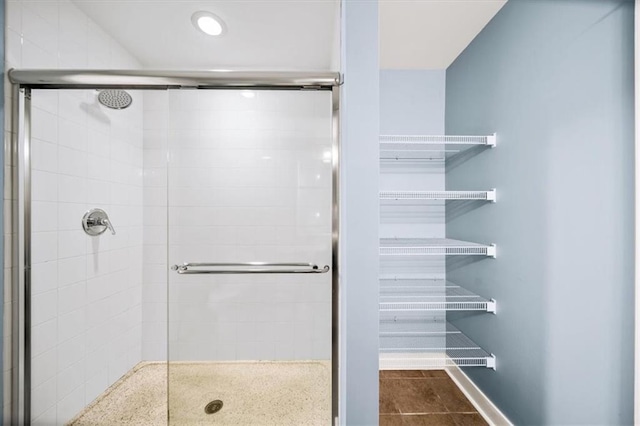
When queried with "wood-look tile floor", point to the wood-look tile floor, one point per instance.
{"points": [[424, 398]]}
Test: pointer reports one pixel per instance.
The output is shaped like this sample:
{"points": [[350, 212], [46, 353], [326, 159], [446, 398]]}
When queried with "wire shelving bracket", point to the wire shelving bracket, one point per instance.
{"points": [[436, 345], [434, 247], [415, 295], [438, 195], [430, 147], [407, 340]]}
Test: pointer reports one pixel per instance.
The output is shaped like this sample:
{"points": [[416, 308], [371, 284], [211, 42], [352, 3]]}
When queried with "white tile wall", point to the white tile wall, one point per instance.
{"points": [[154, 291], [248, 180], [84, 286], [86, 291]]}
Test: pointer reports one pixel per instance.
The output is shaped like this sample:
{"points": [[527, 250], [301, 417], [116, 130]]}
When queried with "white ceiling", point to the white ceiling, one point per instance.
{"points": [[287, 34], [430, 34], [262, 34]]}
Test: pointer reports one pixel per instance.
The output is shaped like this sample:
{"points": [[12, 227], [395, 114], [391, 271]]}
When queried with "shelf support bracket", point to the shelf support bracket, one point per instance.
{"points": [[492, 251], [491, 140], [491, 362], [491, 306], [491, 195]]}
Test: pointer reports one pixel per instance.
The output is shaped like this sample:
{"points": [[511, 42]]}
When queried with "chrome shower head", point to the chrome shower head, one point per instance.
{"points": [[115, 99]]}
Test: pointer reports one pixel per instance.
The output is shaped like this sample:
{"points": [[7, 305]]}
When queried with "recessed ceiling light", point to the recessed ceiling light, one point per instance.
{"points": [[249, 94], [208, 23]]}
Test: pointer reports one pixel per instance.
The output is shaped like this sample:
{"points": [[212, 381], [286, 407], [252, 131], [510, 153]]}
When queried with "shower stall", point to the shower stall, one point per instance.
{"points": [[176, 246]]}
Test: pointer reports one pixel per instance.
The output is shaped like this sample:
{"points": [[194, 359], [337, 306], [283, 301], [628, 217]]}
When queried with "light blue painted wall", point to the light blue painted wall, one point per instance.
{"points": [[554, 79], [412, 102], [359, 212]]}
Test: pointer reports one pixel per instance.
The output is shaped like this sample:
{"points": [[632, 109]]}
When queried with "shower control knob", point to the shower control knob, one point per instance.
{"points": [[96, 221]]}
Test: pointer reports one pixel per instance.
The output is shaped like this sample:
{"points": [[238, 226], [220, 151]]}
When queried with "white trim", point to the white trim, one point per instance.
{"points": [[483, 404], [636, 403]]}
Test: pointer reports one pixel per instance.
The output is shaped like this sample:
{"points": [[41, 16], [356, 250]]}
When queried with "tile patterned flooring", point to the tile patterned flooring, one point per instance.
{"points": [[424, 398]]}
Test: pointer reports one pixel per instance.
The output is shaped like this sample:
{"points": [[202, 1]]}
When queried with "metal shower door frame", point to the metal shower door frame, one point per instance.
{"points": [[23, 81]]}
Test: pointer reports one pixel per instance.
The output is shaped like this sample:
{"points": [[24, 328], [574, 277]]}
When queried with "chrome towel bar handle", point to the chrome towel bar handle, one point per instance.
{"points": [[250, 268]]}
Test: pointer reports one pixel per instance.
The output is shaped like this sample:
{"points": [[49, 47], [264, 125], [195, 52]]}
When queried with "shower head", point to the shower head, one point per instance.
{"points": [[115, 99]]}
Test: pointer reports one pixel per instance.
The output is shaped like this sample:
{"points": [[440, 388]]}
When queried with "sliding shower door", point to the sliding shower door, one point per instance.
{"points": [[249, 247]]}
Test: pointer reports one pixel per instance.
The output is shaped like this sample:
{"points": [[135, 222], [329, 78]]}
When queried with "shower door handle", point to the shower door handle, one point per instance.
{"points": [[250, 268]]}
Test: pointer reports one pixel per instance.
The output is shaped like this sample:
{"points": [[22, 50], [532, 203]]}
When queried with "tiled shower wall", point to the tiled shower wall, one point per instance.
{"points": [[86, 290], [249, 179], [154, 289]]}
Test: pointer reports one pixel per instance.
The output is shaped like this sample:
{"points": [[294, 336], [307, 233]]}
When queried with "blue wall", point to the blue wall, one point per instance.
{"points": [[412, 102], [359, 202], [554, 79]]}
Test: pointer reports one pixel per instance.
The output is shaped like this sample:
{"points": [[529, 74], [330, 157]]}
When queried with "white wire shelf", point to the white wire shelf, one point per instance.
{"points": [[420, 295], [427, 361], [429, 147], [430, 345], [438, 195], [433, 247]]}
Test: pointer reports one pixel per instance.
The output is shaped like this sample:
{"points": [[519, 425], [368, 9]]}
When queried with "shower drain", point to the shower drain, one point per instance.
{"points": [[213, 407]]}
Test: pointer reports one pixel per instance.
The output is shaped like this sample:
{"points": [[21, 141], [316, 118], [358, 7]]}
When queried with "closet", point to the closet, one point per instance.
{"points": [[415, 295], [543, 76]]}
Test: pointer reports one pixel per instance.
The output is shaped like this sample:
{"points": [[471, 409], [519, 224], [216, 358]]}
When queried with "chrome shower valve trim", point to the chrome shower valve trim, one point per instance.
{"points": [[96, 221]]}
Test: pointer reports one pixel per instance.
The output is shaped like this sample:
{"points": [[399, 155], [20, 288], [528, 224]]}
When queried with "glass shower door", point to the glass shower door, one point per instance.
{"points": [[249, 183]]}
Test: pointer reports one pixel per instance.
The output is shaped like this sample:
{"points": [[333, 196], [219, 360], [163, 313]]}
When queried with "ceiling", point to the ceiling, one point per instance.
{"points": [[285, 34], [430, 34], [262, 34]]}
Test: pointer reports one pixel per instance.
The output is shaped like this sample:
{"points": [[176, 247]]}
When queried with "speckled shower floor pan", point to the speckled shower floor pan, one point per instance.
{"points": [[253, 393]]}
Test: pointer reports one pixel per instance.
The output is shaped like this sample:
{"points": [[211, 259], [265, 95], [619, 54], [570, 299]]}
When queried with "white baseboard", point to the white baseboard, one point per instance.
{"points": [[485, 407]]}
